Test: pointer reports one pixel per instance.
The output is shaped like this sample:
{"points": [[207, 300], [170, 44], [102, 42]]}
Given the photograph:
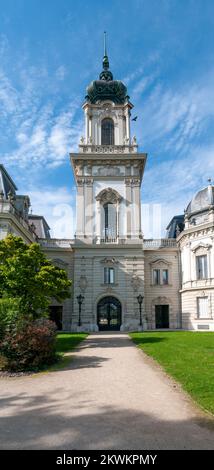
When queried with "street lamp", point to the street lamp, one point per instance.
{"points": [[140, 301], [80, 299]]}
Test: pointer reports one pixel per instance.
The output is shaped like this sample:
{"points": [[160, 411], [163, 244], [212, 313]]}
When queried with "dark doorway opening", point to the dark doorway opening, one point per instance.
{"points": [[56, 315], [162, 316], [109, 314]]}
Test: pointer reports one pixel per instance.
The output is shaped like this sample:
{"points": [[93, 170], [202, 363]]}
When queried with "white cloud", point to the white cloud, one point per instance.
{"points": [[40, 129], [57, 205], [176, 117], [61, 72], [172, 184]]}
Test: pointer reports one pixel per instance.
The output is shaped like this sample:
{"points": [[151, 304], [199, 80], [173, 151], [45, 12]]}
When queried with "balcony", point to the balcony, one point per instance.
{"points": [[198, 284], [7, 207], [112, 149], [153, 243], [56, 242]]}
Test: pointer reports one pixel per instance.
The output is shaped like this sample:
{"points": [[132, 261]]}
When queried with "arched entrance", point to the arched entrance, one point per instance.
{"points": [[109, 314]]}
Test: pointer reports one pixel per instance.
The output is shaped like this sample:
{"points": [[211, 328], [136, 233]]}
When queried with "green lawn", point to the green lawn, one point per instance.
{"points": [[188, 357], [66, 342]]}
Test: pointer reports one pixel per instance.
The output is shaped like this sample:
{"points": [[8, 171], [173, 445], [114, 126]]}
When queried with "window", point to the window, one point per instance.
{"points": [[165, 276], [109, 276], [202, 307], [201, 267], [109, 226], [156, 276], [107, 132]]}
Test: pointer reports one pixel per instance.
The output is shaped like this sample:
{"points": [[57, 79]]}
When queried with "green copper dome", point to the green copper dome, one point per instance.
{"points": [[106, 88]]}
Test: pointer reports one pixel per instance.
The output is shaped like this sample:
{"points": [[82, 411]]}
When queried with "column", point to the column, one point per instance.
{"points": [[80, 209], [86, 126], [128, 207], [127, 125], [136, 209], [89, 216]]}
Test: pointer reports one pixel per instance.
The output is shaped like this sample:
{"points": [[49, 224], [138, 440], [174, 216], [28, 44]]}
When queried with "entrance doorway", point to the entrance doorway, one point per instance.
{"points": [[109, 314], [56, 315], [162, 316]]}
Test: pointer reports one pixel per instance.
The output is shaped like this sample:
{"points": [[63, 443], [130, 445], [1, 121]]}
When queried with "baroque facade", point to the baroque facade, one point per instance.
{"points": [[126, 281]]}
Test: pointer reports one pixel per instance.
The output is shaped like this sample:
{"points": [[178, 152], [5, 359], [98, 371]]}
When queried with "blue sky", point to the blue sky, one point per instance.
{"points": [[49, 52]]}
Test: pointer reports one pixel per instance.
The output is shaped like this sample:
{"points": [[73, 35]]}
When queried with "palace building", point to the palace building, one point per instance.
{"points": [[121, 281]]}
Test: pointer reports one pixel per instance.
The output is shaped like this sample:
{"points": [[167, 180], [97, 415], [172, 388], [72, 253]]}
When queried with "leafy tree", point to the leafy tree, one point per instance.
{"points": [[27, 274]]}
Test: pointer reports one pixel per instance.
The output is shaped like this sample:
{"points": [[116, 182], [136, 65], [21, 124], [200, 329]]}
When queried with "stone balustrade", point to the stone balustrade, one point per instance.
{"points": [[159, 243], [106, 149]]}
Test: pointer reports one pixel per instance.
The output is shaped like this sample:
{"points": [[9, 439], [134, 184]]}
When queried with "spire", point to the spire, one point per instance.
{"points": [[105, 74], [105, 53]]}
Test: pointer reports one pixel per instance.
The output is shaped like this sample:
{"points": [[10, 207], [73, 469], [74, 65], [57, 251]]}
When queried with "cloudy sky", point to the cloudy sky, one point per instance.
{"points": [[49, 52]]}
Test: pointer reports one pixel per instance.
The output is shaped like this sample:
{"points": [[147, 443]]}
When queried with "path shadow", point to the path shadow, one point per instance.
{"points": [[56, 421]]}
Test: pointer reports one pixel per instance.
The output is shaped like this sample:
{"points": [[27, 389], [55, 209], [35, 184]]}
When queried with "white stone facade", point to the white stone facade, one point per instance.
{"points": [[109, 262]]}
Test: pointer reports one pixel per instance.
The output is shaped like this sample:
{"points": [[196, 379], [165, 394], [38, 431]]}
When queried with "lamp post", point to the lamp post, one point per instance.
{"points": [[140, 301], [80, 299]]}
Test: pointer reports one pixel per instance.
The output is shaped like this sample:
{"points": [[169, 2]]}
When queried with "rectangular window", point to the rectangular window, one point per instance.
{"points": [[201, 267], [109, 276], [165, 276], [203, 307], [156, 276]]}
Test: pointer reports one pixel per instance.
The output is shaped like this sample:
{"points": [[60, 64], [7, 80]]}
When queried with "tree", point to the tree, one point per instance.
{"points": [[27, 274]]}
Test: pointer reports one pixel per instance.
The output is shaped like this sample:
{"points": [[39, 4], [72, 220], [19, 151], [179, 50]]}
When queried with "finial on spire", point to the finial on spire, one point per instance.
{"points": [[105, 74], [105, 58], [105, 53]]}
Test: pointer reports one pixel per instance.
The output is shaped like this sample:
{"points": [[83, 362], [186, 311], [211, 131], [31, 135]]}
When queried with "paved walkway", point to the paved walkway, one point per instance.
{"points": [[112, 396]]}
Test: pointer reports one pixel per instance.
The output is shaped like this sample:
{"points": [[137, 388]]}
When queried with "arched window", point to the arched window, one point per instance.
{"points": [[109, 225], [107, 132]]}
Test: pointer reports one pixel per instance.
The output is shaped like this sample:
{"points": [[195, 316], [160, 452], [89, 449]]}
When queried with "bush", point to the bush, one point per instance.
{"points": [[9, 314], [30, 347]]}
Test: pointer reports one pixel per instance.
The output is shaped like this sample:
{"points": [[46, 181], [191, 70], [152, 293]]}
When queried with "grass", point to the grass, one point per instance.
{"points": [[66, 342], [188, 357]]}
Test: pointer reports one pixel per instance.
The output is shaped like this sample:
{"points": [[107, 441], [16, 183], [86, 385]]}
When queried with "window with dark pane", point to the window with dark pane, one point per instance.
{"points": [[110, 221], [109, 275], [201, 265], [107, 132], [156, 276], [165, 276]]}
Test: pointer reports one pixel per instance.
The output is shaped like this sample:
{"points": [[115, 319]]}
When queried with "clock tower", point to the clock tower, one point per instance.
{"points": [[108, 171]]}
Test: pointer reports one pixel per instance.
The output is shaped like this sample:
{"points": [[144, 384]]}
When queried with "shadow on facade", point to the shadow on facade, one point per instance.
{"points": [[44, 421]]}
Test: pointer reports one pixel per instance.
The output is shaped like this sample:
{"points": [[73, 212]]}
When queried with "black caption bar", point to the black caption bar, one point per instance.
{"points": [[89, 458]]}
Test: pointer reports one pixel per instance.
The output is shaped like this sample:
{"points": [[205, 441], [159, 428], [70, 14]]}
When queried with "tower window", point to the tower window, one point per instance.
{"points": [[109, 229], [107, 132]]}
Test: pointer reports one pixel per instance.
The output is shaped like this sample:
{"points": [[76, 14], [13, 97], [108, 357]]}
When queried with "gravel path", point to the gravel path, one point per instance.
{"points": [[111, 397]]}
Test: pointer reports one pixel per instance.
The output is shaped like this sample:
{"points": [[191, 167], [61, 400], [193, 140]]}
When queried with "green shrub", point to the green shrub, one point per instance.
{"points": [[30, 347], [9, 314]]}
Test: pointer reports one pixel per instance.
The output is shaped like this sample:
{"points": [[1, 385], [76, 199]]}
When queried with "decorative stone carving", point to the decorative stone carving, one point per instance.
{"points": [[201, 248], [83, 283], [109, 261], [80, 181], [161, 300], [108, 170], [160, 261], [135, 282], [108, 195]]}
